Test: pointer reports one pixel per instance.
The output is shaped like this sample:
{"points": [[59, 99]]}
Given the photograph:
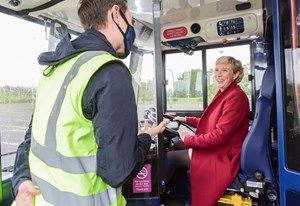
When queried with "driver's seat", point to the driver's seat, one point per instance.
{"points": [[256, 176]]}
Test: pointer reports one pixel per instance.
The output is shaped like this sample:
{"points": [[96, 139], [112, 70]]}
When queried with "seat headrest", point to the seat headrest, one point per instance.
{"points": [[268, 83]]}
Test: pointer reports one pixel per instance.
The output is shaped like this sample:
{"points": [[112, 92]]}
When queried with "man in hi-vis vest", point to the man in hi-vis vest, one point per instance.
{"points": [[83, 143]]}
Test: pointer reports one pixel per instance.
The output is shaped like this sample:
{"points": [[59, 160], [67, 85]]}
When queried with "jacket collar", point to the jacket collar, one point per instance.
{"points": [[226, 91]]}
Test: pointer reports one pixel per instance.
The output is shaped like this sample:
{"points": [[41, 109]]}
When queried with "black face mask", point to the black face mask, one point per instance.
{"points": [[129, 36]]}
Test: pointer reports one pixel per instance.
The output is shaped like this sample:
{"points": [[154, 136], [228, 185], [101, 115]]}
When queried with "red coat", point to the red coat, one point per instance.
{"points": [[217, 145]]}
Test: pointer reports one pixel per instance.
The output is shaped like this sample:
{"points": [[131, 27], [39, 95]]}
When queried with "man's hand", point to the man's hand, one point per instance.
{"points": [[26, 194], [146, 127], [155, 130]]}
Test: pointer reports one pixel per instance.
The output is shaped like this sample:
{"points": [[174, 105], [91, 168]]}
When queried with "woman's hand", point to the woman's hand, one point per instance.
{"points": [[180, 119], [26, 193], [183, 134]]}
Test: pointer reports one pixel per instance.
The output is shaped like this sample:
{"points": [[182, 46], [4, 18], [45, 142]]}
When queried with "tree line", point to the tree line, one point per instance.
{"points": [[147, 89], [17, 94]]}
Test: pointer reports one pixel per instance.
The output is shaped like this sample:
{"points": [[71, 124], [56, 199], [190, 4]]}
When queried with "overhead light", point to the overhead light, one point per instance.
{"points": [[254, 37], [14, 3]]}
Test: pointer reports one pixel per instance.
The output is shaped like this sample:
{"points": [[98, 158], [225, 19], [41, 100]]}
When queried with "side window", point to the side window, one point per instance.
{"points": [[19, 73], [241, 53], [184, 81], [146, 93]]}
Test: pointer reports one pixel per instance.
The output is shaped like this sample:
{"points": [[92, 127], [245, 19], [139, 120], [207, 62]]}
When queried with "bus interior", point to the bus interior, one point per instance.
{"points": [[172, 64]]}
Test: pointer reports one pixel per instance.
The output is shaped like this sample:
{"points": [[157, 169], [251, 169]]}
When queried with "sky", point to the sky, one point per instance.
{"points": [[20, 44]]}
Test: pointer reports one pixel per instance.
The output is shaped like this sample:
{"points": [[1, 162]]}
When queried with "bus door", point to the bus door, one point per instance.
{"points": [[287, 45]]}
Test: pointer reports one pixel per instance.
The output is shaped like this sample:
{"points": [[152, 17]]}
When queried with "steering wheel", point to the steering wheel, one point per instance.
{"points": [[171, 129]]}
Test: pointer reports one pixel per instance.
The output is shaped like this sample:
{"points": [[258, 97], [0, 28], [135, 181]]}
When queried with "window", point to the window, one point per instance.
{"points": [[292, 86], [241, 53], [19, 73], [184, 81], [191, 86], [146, 81], [292, 112]]}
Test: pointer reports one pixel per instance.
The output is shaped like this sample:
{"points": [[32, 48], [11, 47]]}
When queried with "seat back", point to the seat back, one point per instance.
{"points": [[256, 150]]}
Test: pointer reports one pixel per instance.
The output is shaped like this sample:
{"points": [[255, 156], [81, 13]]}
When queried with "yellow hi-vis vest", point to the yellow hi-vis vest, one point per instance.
{"points": [[63, 150]]}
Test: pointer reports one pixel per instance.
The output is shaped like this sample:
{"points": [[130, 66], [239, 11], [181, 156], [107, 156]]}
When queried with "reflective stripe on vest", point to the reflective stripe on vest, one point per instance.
{"points": [[72, 167], [51, 195]]}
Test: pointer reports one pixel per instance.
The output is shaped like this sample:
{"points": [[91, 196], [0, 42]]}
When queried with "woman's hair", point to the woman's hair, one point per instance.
{"points": [[236, 66], [92, 13]]}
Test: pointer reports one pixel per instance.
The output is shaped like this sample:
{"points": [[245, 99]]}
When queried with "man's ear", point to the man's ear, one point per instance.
{"points": [[116, 13]]}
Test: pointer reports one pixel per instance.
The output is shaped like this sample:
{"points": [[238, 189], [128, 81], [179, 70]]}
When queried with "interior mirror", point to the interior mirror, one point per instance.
{"points": [[57, 31], [135, 59]]}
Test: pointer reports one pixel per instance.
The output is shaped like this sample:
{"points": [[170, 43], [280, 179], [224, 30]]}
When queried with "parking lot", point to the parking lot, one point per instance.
{"points": [[14, 119]]}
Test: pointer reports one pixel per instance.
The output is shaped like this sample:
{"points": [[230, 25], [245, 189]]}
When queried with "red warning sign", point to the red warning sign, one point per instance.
{"points": [[175, 32]]}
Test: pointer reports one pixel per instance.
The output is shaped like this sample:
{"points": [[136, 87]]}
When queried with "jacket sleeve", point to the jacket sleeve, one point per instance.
{"points": [[232, 118], [110, 104], [192, 121], [21, 166]]}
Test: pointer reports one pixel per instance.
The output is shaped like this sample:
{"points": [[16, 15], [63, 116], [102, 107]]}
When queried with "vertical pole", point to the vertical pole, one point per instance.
{"points": [[279, 79], [159, 75]]}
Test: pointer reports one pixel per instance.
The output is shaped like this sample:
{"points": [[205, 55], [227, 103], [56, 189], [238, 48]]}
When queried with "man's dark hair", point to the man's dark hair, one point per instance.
{"points": [[92, 13]]}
